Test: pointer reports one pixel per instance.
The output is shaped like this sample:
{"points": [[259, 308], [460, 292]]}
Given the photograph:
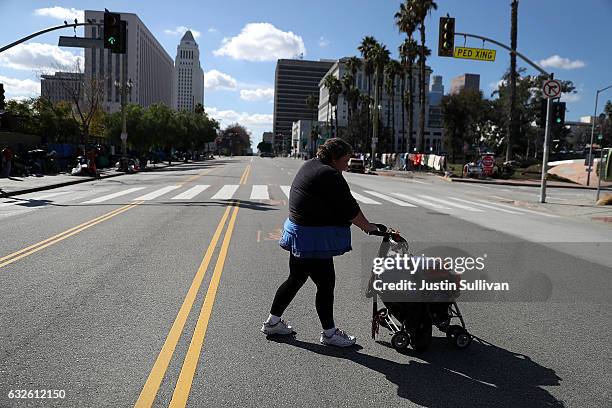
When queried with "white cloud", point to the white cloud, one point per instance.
{"points": [[62, 13], [256, 94], [495, 85], [181, 30], [556, 61], [256, 123], [42, 57], [323, 42], [215, 81], [20, 88], [213, 30], [261, 42], [570, 97]]}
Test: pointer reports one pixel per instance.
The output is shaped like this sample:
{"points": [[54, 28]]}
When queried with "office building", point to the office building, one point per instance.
{"points": [[188, 75], [465, 81], [149, 67], [294, 81], [62, 86], [390, 108]]}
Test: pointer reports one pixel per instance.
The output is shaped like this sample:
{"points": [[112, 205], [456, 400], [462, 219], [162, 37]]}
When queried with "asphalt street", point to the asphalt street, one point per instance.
{"points": [[150, 290]]}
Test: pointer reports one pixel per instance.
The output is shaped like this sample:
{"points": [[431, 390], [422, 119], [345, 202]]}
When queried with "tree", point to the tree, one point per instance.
{"points": [[406, 22], [264, 147], [422, 8], [365, 48], [380, 56], [334, 88], [465, 114], [312, 101], [236, 139], [393, 69], [408, 53]]}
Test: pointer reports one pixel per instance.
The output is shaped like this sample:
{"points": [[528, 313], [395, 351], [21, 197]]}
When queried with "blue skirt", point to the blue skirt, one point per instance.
{"points": [[315, 242]]}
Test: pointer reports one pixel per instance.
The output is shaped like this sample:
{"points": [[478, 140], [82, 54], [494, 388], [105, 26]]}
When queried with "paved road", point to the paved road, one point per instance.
{"points": [[150, 289]]}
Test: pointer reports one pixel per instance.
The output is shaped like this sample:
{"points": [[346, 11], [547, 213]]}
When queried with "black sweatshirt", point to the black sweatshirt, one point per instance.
{"points": [[320, 196]]}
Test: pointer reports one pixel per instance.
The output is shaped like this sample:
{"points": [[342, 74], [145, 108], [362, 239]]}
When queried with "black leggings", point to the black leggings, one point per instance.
{"points": [[322, 273]]}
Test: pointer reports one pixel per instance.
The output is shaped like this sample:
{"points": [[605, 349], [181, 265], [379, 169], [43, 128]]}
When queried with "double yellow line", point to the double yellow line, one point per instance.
{"points": [[15, 256], [185, 380]]}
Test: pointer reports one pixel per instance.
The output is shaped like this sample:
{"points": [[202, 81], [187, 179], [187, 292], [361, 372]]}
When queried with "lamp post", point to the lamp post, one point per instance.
{"points": [[376, 108], [124, 87], [593, 133]]}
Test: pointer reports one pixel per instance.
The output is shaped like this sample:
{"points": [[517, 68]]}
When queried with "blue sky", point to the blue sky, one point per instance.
{"points": [[240, 41]]}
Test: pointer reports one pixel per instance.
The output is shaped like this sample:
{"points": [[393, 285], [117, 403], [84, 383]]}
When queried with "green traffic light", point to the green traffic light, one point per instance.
{"points": [[112, 40], [558, 120]]}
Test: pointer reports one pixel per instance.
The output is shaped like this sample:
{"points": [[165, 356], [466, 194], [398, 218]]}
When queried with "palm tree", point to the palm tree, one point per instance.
{"points": [[351, 91], [380, 57], [393, 69], [365, 48], [422, 8], [334, 87], [312, 102], [406, 22]]}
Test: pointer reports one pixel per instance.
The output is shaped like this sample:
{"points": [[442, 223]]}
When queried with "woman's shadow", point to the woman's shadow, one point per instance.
{"points": [[484, 375]]}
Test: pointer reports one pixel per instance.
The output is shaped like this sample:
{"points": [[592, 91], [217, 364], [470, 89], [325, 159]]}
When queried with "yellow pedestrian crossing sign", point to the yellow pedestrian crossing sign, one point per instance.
{"points": [[479, 54]]}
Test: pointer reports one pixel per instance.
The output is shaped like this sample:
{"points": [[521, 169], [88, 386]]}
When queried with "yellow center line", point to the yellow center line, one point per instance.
{"points": [[185, 380], [15, 256], [151, 387]]}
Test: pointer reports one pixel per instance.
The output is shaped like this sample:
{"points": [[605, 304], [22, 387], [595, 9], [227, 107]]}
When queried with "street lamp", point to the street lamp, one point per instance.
{"points": [[593, 133], [376, 108], [124, 89]]}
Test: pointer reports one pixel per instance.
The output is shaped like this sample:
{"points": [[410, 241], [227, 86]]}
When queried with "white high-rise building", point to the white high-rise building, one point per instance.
{"points": [[149, 66], [390, 108], [188, 75]]}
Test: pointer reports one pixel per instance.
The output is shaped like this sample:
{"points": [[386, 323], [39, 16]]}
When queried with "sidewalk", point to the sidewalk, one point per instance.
{"points": [[23, 185], [605, 185]]}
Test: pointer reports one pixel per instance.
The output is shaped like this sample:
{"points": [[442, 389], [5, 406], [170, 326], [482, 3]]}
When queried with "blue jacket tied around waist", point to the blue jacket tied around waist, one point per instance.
{"points": [[315, 242]]}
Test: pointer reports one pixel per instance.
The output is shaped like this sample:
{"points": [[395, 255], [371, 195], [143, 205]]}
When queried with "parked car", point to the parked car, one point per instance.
{"points": [[356, 165], [473, 170], [267, 154]]}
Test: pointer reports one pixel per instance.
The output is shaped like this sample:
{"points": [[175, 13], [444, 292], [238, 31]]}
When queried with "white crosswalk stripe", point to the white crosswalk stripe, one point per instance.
{"points": [[191, 193], [286, 190], [260, 192], [33, 197], [390, 199], [421, 202], [113, 195], [226, 192], [484, 205], [519, 209], [446, 202], [363, 199], [157, 193]]}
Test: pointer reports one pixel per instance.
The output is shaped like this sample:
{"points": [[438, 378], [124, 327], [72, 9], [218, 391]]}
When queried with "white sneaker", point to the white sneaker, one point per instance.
{"points": [[279, 328], [338, 339]]}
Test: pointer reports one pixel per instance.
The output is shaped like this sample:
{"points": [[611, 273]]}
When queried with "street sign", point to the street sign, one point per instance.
{"points": [[479, 54], [551, 89], [488, 161], [123, 137]]}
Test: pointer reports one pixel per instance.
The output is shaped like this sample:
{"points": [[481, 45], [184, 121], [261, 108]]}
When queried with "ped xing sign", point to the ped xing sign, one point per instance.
{"points": [[479, 54]]}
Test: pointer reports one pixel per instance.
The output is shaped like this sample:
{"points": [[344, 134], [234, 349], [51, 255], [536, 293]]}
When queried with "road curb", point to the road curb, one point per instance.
{"points": [[508, 183], [71, 182]]}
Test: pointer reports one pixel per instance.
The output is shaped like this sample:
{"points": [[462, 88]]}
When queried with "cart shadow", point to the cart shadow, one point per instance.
{"points": [[484, 375]]}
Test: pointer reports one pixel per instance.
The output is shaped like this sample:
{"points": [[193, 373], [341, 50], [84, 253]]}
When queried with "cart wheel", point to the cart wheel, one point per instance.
{"points": [[400, 340], [452, 332], [463, 340]]}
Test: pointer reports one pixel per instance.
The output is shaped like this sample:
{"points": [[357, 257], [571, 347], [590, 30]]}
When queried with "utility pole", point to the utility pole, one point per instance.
{"points": [[593, 133]]}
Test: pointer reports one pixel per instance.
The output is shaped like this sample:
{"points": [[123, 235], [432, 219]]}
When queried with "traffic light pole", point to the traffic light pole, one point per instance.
{"points": [[36, 34], [593, 134], [549, 103]]}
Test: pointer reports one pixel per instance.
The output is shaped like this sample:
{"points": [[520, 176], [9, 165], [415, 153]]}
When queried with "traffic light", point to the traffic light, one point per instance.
{"points": [[2, 102], [446, 39], [114, 33], [558, 113]]}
